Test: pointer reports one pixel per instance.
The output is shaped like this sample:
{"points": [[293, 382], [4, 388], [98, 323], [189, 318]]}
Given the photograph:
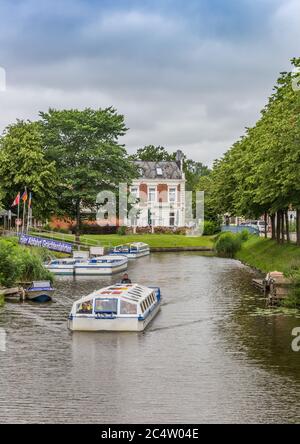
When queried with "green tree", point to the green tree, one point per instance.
{"points": [[153, 153], [89, 159], [260, 173], [23, 163]]}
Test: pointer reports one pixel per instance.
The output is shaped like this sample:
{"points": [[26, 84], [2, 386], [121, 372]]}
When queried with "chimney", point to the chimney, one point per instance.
{"points": [[179, 159]]}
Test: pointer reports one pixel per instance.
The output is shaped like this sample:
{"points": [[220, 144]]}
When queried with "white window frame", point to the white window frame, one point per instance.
{"points": [[138, 190], [153, 187], [176, 195]]}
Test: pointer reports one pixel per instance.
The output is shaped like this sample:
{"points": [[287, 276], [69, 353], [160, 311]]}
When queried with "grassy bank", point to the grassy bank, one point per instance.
{"points": [[266, 255], [154, 240]]}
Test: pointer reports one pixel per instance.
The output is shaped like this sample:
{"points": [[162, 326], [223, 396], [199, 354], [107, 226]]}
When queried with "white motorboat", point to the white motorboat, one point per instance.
{"points": [[39, 291], [104, 265], [62, 266], [129, 307], [132, 251]]}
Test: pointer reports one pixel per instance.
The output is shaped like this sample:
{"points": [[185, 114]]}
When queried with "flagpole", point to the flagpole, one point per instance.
{"points": [[18, 218], [24, 213], [29, 211]]}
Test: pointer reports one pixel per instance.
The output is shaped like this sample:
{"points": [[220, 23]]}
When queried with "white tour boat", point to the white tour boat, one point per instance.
{"points": [[104, 265], [129, 307], [62, 266], [132, 251]]}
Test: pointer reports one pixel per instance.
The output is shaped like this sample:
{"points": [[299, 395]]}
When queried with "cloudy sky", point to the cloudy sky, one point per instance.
{"points": [[188, 74]]}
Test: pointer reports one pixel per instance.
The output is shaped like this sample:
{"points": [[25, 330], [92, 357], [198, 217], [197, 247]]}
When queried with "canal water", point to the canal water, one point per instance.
{"points": [[211, 355]]}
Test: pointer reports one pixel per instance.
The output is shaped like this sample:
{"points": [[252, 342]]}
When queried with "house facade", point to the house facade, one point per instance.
{"points": [[159, 193]]}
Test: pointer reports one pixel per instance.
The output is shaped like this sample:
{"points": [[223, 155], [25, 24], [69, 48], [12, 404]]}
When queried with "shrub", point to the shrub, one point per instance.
{"points": [[122, 230], [211, 228], [31, 266], [21, 264], [228, 244], [9, 264], [244, 235], [95, 229]]}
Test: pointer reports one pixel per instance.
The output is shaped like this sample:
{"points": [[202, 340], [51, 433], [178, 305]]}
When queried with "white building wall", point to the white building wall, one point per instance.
{"points": [[160, 211]]}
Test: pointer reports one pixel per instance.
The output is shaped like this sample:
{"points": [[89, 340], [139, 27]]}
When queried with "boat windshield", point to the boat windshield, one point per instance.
{"points": [[122, 249], [106, 306]]}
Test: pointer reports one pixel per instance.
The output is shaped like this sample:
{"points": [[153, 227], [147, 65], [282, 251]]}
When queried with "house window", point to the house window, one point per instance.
{"points": [[172, 219], [151, 194], [134, 191], [159, 171], [172, 195]]}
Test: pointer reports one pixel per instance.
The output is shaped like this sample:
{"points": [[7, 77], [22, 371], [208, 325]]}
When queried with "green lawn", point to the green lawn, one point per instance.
{"points": [[154, 240], [267, 255]]}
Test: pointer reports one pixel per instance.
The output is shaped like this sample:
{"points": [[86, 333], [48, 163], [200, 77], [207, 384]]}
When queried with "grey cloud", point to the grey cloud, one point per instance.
{"points": [[176, 87]]}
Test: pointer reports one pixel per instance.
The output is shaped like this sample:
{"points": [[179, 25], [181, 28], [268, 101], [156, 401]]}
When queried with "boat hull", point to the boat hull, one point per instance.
{"points": [[133, 255], [138, 255], [96, 270], [39, 296], [120, 324], [65, 271]]}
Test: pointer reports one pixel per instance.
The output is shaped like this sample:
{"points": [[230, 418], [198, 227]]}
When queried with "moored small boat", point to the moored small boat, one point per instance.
{"points": [[103, 265], [62, 266], [129, 307], [132, 251], [39, 291]]}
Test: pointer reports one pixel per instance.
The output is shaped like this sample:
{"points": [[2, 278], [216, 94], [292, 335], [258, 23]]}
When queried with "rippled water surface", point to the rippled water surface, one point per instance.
{"points": [[209, 356]]}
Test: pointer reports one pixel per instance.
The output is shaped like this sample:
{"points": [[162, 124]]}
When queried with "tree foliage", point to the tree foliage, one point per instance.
{"points": [[23, 163], [260, 173], [84, 146]]}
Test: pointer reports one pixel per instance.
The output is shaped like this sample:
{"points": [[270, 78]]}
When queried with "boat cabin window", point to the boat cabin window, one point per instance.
{"points": [[106, 306], [85, 307], [128, 308]]}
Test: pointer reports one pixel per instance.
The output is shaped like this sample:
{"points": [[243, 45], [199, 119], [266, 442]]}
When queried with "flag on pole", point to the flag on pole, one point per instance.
{"points": [[24, 196], [30, 200], [16, 201]]}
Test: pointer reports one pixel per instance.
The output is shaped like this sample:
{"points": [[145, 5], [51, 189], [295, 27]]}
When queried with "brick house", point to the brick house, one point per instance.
{"points": [[160, 191]]}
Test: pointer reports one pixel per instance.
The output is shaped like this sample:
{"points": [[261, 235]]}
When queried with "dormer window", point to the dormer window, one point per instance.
{"points": [[159, 171]]}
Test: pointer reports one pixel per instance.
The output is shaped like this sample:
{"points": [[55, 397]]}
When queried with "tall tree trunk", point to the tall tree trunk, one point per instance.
{"points": [[282, 226], [287, 224], [273, 226], [298, 227], [266, 224], [278, 226], [77, 231]]}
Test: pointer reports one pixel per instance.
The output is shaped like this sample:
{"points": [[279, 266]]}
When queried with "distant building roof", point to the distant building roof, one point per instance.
{"points": [[159, 170]]}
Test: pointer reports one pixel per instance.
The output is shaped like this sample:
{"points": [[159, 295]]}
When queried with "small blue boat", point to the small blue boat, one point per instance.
{"points": [[39, 291]]}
